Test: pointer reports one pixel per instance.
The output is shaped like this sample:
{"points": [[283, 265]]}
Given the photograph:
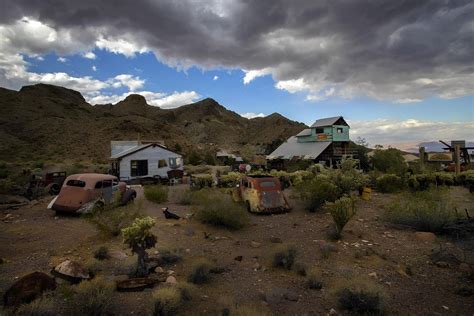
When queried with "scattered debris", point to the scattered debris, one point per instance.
{"points": [[135, 284], [28, 288]]}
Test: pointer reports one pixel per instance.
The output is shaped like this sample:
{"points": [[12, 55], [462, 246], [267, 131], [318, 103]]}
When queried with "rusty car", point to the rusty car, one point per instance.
{"points": [[50, 182], [80, 193], [261, 194]]}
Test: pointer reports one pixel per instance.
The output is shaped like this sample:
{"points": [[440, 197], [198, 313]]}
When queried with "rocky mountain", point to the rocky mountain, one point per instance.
{"points": [[42, 122]]}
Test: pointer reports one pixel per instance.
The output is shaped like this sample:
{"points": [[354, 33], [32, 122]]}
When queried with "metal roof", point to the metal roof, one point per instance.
{"points": [[326, 121], [129, 151], [291, 148], [305, 132]]}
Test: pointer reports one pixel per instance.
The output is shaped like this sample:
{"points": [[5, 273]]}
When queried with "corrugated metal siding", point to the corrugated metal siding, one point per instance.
{"points": [[153, 155]]}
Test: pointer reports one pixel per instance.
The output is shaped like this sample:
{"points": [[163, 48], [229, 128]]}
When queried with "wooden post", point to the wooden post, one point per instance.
{"points": [[422, 159], [457, 158]]}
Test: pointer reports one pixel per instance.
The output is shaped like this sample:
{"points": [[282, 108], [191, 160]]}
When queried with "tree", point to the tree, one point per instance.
{"points": [[194, 158], [389, 160], [177, 148], [139, 238], [209, 159]]}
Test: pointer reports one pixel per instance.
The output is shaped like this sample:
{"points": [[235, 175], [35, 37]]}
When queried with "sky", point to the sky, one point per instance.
{"points": [[400, 72]]}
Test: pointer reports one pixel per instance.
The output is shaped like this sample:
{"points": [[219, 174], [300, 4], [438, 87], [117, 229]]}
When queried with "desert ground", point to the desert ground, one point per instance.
{"points": [[33, 238]]}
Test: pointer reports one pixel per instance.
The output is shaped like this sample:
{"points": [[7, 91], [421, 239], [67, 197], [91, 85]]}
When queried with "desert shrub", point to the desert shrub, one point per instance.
{"points": [[316, 192], [300, 269], [248, 310], [284, 256], [169, 256], [445, 178], [209, 159], [231, 179], [202, 181], [102, 253], [465, 177], [389, 161], [37, 164], [139, 238], [421, 182], [156, 193], [111, 218], [92, 297], [389, 183], [218, 209], [346, 177], [313, 279], [194, 158], [341, 211], [429, 210], [361, 297], [166, 301], [187, 290], [200, 272], [6, 186], [43, 306]]}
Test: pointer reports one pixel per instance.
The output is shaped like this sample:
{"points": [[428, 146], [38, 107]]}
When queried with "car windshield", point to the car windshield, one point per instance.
{"points": [[76, 183], [267, 184]]}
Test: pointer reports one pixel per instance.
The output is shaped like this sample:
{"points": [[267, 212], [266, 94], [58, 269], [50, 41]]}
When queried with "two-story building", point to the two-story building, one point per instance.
{"points": [[327, 140]]}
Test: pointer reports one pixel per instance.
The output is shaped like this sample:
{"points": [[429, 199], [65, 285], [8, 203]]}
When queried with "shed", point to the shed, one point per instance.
{"points": [[134, 160]]}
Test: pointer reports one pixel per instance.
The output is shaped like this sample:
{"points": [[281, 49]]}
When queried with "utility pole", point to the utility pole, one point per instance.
{"points": [[457, 158], [422, 159]]}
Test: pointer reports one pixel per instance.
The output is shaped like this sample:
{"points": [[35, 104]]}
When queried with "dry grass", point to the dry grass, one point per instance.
{"points": [[92, 297], [156, 193], [200, 272], [284, 256]]}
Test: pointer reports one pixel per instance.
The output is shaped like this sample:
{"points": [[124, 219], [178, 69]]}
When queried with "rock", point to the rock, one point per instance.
{"points": [[71, 271], [159, 270], [442, 264], [28, 288], [117, 254], [170, 272], [256, 266], [425, 237], [238, 258], [373, 274], [255, 244], [277, 295], [388, 235], [332, 311], [276, 240], [171, 280]]}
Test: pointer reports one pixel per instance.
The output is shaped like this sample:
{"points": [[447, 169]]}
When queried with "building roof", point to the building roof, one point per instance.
{"points": [[305, 132], [328, 121], [137, 148], [291, 148]]}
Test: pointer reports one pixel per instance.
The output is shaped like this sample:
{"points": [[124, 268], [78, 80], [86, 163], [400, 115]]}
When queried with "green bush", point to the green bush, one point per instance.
{"points": [[445, 178], [92, 297], [341, 211], [389, 183], [166, 301], [361, 299], [313, 279], [421, 182], [156, 193], [465, 177], [200, 272], [218, 209], [202, 181], [316, 192], [284, 256], [230, 180], [429, 210], [111, 218], [389, 161], [102, 253]]}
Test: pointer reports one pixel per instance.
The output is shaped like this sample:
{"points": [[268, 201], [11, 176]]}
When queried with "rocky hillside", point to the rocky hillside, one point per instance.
{"points": [[42, 122]]}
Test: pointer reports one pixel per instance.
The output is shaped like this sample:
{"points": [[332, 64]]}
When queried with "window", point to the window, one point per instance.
{"points": [[340, 130], [98, 185], [162, 163], [175, 162], [267, 184], [76, 183], [139, 168], [106, 183], [319, 130]]}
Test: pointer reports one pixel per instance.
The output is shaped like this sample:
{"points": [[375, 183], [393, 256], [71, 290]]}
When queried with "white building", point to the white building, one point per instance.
{"points": [[134, 160]]}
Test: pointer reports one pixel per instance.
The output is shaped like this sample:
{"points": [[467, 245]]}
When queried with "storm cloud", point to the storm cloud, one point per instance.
{"points": [[400, 51]]}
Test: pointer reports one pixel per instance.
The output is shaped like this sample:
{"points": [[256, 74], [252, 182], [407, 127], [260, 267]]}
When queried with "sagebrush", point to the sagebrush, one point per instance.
{"points": [[156, 193]]}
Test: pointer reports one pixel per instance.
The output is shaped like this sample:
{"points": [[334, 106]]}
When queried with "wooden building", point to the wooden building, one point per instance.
{"points": [[326, 141]]}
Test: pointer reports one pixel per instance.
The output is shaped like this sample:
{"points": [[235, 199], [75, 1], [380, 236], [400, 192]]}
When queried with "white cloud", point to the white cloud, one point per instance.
{"points": [[89, 55], [133, 83], [40, 58], [401, 132], [252, 74], [293, 85], [251, 115], [215, 78], [62, 59], [120, 46], [408, 100], [94, 68]]}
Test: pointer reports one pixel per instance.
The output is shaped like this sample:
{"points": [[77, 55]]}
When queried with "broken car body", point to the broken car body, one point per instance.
{"points": [[80, 192], [261, 194]]}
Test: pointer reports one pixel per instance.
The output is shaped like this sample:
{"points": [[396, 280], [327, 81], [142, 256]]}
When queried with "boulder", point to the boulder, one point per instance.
{"points": [[425, 237], [28, 288], [171, 280], [71, 271], [255, 244]]}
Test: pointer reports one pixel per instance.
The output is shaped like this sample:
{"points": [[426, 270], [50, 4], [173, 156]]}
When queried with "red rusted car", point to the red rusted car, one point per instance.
{"points": [[81, 192], [261, 194]]}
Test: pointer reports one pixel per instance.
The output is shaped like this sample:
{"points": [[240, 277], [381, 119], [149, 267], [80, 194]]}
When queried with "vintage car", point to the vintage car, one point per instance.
{"points": [[81, 192], [261, 194]]}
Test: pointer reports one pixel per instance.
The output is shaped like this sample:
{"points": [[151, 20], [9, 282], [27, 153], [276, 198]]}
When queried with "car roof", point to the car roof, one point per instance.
{"points": [[91, 177]]}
